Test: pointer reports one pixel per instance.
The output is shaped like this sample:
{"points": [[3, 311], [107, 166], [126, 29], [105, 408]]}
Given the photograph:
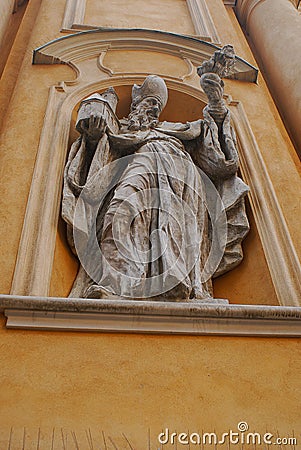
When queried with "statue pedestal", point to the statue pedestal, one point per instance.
{"points": [[129, 316]]}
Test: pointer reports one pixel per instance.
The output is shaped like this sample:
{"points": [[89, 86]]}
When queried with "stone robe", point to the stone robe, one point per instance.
{"points": [[142, 227]]}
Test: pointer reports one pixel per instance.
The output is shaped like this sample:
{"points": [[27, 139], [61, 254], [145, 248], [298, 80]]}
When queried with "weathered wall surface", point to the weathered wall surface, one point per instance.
{"points": [[11, 15], [154, 14], [22, 124], [130, 384]]}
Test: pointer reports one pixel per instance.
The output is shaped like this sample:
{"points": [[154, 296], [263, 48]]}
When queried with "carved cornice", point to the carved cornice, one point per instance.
{"points": [[84, 45]]}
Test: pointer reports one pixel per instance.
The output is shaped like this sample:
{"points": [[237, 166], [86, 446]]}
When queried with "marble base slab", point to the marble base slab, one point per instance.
{"points": [[129, 316]]}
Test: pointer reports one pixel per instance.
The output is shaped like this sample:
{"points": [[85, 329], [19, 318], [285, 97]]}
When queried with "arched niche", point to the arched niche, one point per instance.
{"points": [[78, 47]]}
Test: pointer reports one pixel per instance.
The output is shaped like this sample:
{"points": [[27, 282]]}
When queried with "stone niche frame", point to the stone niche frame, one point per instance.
{"points": [[37, 245], [74, 17]]}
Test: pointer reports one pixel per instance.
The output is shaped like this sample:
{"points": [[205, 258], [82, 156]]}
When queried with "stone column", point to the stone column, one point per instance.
{"points": [[274, 27]]}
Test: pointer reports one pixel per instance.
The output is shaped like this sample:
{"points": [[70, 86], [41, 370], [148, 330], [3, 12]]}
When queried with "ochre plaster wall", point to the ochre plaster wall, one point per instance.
{"points": [[10, 20], [153, 14], [131, 383]]}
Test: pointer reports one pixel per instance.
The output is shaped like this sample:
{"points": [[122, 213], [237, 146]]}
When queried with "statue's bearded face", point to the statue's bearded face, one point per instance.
{"points": [[145, 114]]}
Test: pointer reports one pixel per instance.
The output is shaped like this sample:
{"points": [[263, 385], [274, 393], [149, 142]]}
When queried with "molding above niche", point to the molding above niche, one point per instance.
{"points": [[88, 44]]}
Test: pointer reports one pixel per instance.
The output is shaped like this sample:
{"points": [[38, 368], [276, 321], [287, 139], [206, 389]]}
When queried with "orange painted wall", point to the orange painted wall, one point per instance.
{"points": [[130, 383]]}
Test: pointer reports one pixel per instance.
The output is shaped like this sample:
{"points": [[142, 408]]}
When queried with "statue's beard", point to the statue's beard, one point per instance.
{"points": [[143, 118]]}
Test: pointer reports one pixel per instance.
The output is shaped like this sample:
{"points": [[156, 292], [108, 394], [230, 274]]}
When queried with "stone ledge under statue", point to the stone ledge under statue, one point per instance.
{"points": [[128, 316]]}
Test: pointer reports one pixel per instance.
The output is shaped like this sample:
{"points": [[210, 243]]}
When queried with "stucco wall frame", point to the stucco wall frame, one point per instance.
{"points": [[74, 17], [36, 251]]}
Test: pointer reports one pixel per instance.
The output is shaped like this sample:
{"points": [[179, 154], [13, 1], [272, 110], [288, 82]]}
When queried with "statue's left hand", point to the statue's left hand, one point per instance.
{"points": [[94, 128]]}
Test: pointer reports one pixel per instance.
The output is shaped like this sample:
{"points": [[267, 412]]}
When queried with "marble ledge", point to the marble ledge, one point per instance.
{"points": [[129, 316]]}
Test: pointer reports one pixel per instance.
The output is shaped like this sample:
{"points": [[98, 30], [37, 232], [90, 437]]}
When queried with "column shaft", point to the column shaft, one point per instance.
{"points": [[274, 27]]}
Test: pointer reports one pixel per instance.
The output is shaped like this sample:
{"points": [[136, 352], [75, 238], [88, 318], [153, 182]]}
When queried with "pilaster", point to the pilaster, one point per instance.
{"points": [[267, 22]]}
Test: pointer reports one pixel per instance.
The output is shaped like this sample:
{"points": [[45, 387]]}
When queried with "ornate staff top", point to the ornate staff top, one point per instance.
{"points": [[221, 62]]}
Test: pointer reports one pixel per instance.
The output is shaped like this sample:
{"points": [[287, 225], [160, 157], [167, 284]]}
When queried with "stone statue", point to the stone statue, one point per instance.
{"points": [[155, 210]]}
